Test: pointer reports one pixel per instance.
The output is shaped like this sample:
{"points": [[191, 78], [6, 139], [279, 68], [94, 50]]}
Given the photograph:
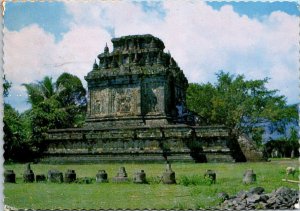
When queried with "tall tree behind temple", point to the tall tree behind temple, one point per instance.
{"points": [[40, 91], [72, 96], [239, 104], [55, 105]]}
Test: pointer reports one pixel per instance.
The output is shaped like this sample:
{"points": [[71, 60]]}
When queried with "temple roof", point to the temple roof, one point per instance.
{"points": [[135, 55], [137, 41]]}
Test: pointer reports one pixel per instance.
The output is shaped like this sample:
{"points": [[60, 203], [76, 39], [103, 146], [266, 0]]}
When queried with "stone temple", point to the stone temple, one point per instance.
{"points": [[136, 112], [136, 84]]}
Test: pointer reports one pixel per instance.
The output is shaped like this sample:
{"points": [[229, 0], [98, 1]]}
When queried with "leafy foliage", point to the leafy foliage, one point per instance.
{"points": [[15, 136], [238, 103], [70, 90], [6, 86], [47, 115], [38, 92], [71, 94], [55, 105]]}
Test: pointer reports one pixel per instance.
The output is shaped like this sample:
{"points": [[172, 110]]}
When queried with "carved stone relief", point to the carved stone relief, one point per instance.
{"points": [[153, 98], [115, 101]]}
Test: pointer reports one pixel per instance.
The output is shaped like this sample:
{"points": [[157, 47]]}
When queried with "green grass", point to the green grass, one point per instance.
{"points": [[192, 190]]}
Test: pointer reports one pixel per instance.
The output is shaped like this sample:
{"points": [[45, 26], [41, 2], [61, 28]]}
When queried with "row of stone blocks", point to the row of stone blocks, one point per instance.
{"points": [[168, 176]]}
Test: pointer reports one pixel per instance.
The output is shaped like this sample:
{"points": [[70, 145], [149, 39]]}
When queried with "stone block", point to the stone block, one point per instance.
{"points": [[249, 177], [28, 175], [149, 133], [168, 176], [9, 176], [101, 176], [253, 199], [210, 174], [256, 190], [55, 176], [40, 178], [139, 177], [121, 176], [70, 176]]}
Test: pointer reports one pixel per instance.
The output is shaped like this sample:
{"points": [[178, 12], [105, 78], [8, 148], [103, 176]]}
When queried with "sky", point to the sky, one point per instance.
{"points": [[255, 39]]}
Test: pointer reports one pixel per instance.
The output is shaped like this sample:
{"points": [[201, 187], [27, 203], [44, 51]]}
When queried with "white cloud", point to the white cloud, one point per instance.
{"points": [[201, 40], [26, 53], [79, 48]]}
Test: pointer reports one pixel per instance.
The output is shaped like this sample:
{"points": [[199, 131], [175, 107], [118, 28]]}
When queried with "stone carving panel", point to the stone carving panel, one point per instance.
{"points": [[115, 101], [153, 98], [99, 102]]}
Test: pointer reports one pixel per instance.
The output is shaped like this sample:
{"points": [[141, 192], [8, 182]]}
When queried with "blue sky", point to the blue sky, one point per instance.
{"points": [[52, 16], [252, 38], [258, 9]]}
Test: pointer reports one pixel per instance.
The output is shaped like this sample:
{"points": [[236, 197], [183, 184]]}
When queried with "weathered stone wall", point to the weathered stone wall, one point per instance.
{"points": [[250, 151], [196, 144]]}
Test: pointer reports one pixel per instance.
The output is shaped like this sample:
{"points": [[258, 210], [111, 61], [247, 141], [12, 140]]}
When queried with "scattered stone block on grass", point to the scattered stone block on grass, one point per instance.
{"points": [[249, 177], [40, 178], [290, 170], [70, 176], [28, 175], [9, 176], [168, 176], [101, 176], [139, 177], [210, 174], [121, 176], [55, 176]]}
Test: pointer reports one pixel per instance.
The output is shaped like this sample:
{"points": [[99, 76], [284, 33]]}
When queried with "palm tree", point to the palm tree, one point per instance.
{"points": [[40, 91]]}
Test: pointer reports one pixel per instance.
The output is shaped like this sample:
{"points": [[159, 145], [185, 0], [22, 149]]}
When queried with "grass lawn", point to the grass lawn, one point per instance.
{"points": [[142, 196]]}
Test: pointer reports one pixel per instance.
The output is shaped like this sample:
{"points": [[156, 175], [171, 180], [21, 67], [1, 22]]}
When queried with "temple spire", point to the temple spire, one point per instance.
{"points": [[95, 66], [172, 62], [106, 49]]}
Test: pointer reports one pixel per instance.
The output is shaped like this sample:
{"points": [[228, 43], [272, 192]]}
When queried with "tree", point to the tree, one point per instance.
{"points": [[70, 90], [40, 91], [55, 105], [201, 95], [15, 145], [47, 115], [6, 86], [15, 137], [241, 105], [72, 96]]}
